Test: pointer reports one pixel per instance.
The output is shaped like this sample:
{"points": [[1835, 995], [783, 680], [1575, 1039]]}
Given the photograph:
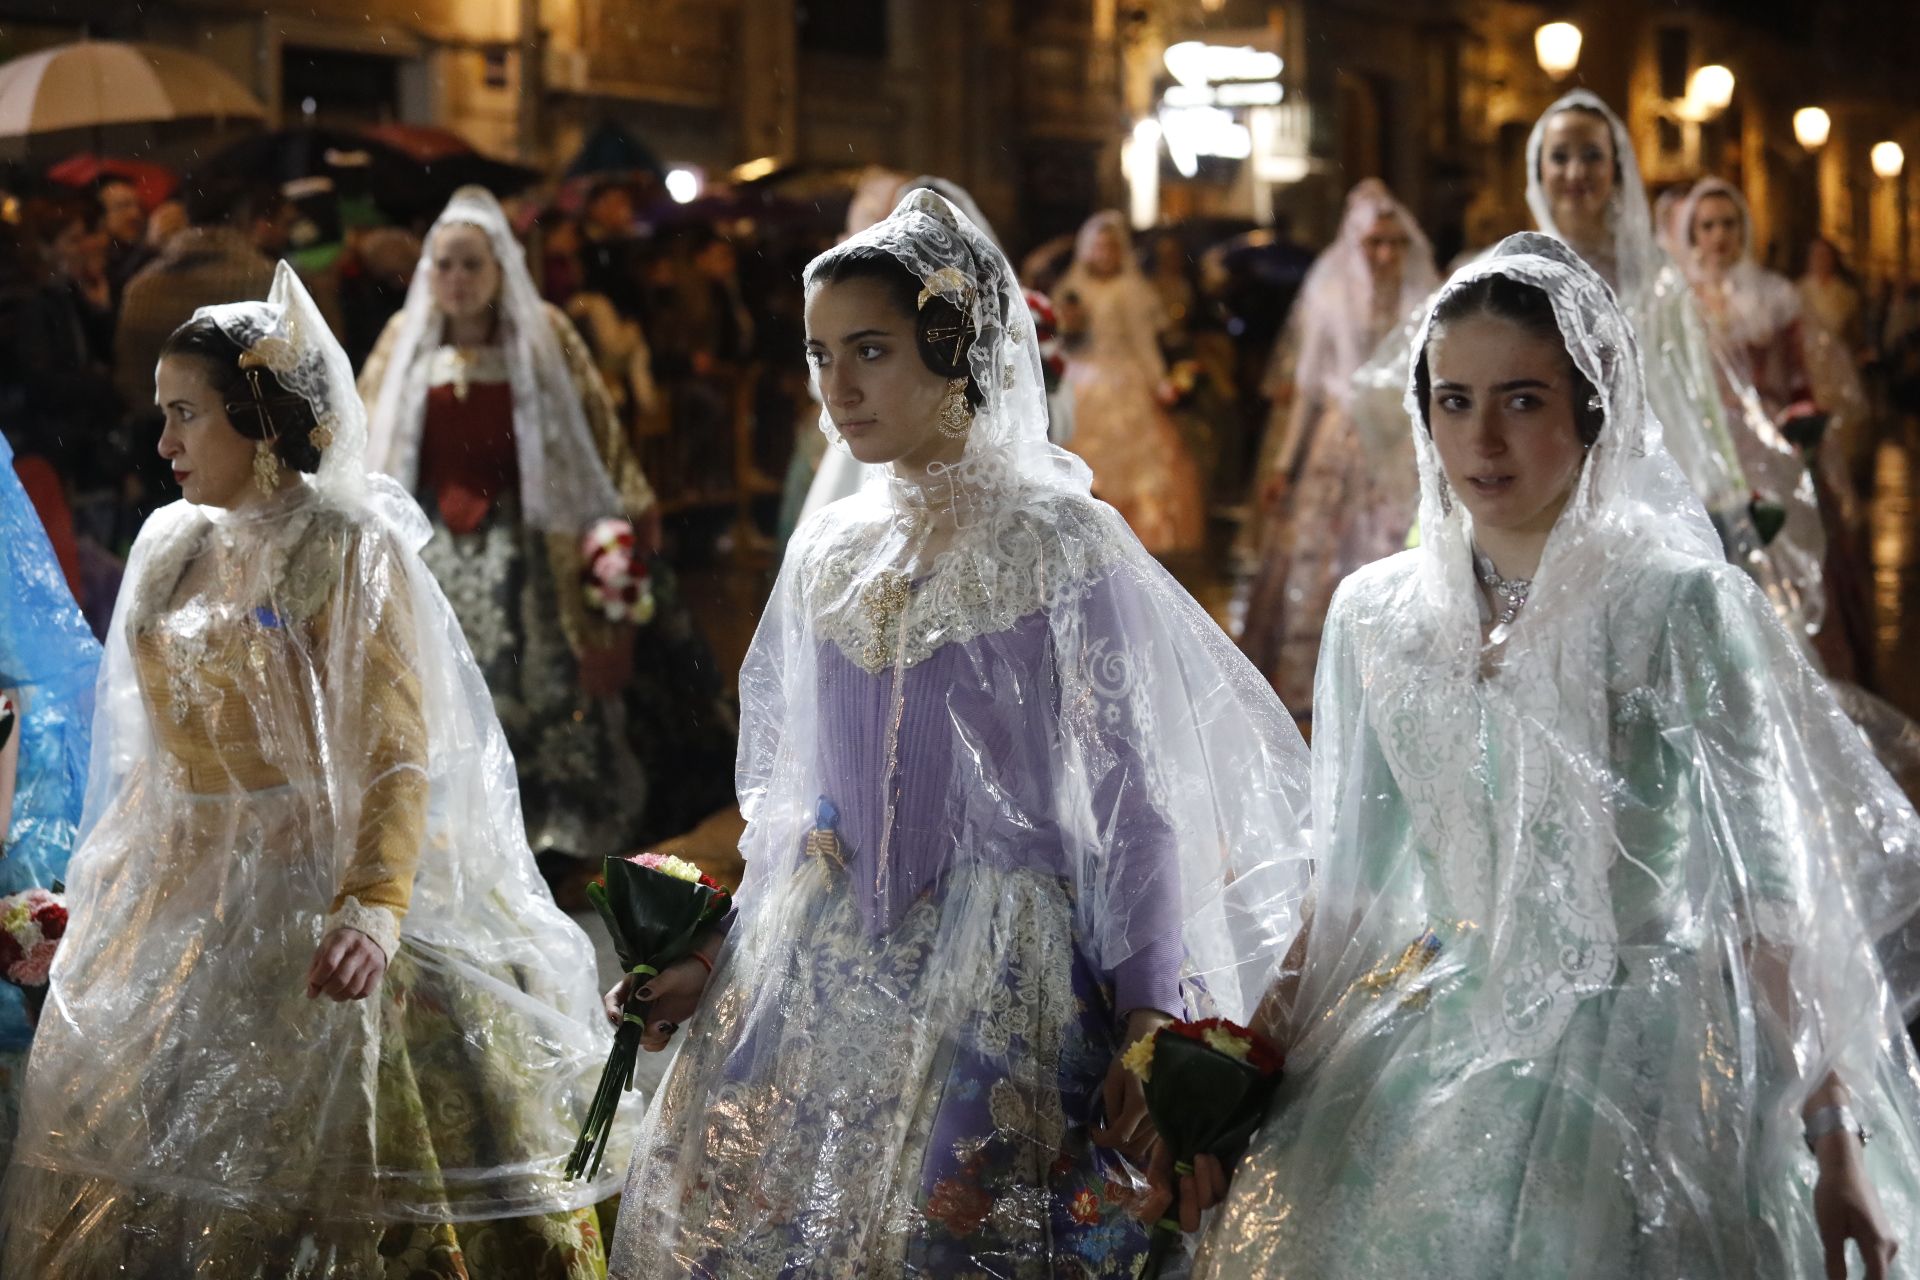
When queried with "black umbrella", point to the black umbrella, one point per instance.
{"points": [[610, 149], [402, 185]]}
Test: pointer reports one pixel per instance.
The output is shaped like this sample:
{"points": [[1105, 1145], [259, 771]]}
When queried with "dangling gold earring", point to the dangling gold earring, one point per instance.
{"points": [[266, 467], [956, 415]]}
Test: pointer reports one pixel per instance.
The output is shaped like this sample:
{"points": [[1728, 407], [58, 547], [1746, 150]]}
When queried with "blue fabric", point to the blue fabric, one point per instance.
{"points": [[50, 659]]}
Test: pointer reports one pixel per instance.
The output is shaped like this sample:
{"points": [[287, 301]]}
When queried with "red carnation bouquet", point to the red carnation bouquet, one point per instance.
{"points": [[617, 582], [1207, 1085], [32, 923], [656, 907]]}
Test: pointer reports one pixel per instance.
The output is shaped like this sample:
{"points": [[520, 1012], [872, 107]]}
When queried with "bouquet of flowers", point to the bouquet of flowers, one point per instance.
{"points": [[655, 907], [32, 923], [617, 583], [1207, 1085]]}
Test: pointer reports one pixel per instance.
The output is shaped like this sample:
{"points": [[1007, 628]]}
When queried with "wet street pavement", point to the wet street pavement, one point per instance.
{"points": [[1896, 572]]}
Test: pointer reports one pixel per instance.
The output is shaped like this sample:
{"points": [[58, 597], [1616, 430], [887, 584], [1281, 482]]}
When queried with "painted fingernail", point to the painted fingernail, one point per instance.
{"points": [[646, 993]]}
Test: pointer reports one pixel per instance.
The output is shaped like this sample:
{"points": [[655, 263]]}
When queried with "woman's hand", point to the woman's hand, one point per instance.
{"points": [[604, 672], [1129, 1129], [1846, 1207], [1194, 1193], [671, 997], [347, 965]]}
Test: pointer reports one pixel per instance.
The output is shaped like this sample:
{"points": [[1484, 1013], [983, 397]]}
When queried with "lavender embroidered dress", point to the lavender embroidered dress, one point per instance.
{"points": [[1004, 782]]}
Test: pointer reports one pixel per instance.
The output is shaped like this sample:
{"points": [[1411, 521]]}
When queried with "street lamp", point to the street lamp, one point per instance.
{"points": [[1709, 91], [1811, 126], [683, 185], [1557, 46], [1887, 159]]}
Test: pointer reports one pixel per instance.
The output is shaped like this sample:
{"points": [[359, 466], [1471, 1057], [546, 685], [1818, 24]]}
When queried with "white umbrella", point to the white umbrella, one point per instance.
{"points": [[107, 82]]}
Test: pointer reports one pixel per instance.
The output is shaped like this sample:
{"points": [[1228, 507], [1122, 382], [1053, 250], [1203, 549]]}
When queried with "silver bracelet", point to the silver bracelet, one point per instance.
{"points": [[1833, 1119]]}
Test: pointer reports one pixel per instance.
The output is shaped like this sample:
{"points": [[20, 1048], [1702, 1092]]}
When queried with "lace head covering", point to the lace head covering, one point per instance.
{"points": [[1084, 242], [957, 261], [1334, 325], [564, 486], [1758, 303], [1629, 484], [1636, 256], [288, 335]]}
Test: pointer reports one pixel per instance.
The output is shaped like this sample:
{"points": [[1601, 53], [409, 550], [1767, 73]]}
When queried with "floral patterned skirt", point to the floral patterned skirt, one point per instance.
{"points": [[909, 1104], [437, 1108], [598, 776], [1341, 519]]}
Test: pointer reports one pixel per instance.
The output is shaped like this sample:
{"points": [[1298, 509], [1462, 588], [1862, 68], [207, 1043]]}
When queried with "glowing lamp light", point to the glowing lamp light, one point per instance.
{"points": [[754, 170], [1709, 90], [1557, 46], [1811, 126], [683, 185], [1887, 159], [1141, 161], [1197, 65]]}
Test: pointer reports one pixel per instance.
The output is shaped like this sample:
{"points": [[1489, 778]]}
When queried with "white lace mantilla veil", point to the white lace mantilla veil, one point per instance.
{"points": [[1158, 699], [1331, 319], [1601, 852], [564, 485], [288, 710], [840, 473]]}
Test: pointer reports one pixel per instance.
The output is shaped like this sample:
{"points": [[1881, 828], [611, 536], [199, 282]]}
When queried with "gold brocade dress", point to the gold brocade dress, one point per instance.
{"points": [[189, 1111]]}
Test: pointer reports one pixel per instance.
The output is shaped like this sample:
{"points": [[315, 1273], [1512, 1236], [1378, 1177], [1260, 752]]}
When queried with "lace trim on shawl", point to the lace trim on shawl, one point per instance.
{"points": [[1018, 561], [305, 560], [1564, 948]]}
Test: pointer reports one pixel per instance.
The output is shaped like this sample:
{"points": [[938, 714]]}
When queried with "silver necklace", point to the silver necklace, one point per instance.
{"points": [[1509, 594]]}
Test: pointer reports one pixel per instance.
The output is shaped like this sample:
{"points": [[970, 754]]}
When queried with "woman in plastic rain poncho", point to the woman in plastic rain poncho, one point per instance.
{"points": [[315, 1014], [1783, 360], [485, 403], [1338, 513], [1601, 869], [48, 661], [1012, 798]]}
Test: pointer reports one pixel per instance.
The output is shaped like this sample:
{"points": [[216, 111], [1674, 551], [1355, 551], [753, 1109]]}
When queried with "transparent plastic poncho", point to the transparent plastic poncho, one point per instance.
{"points": [[1004, 781], [1774, 348], [292, 735], [1595, 909]]}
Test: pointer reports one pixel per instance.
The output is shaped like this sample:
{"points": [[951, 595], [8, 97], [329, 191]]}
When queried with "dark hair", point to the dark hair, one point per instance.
{"points": [[1613, 143], [942, 335], [257, 405], [1529, 307]]}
